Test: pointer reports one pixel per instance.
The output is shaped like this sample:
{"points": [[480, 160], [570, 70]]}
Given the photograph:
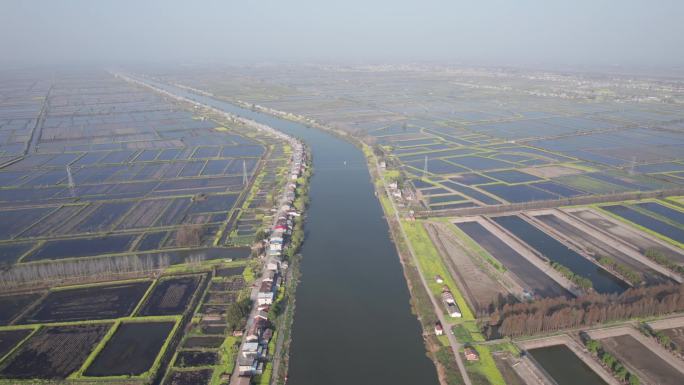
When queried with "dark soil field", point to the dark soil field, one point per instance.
{"points": [[203, 342], [12, 305], [170, 296], [190, 358], [131, 350], [10, 338], [215, 309], [676, 337], [536, 280], [507, 371], [212, 328], [89, 303], [220, 298], [480, 288], [219, 286], [236, 284], [230, 271], [54, 352], [649, 367], [192, 377]]}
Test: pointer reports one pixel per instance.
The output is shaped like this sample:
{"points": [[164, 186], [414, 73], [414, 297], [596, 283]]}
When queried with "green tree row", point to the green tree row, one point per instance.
{"points": [[611, 362], [628, 273], [578, 280]]}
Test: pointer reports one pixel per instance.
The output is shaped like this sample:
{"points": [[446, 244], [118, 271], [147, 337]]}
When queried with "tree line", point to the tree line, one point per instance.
{"points": [[551, 314], [102, 268], [610, 362]]}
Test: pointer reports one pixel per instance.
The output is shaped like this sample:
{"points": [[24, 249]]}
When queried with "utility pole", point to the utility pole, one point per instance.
{"points": [[425, 167], [70, 178], [631, 166]]}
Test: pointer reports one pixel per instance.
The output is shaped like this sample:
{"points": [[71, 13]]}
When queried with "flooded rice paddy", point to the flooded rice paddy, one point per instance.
{"points": [[665, 211], [54, 352], [131, 350], [89, 303], [647, 221]]}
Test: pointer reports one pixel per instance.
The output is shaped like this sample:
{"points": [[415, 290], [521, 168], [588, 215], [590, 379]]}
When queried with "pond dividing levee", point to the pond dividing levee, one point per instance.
{"points": [[353, 321]]}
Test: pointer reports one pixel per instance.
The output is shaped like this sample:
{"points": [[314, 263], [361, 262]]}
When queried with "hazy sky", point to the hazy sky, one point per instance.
{"points": [[505, 32]]}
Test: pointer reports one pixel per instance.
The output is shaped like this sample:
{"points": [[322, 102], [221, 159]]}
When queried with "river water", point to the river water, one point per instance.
{"points": [[353, 322]]}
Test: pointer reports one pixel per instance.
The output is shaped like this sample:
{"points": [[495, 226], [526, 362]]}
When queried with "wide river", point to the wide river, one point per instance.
{"points": [[353, 321]]}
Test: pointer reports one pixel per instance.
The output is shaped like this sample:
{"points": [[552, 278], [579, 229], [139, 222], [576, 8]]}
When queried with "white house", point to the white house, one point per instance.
{"points": [[453, 310], [273, 266]]}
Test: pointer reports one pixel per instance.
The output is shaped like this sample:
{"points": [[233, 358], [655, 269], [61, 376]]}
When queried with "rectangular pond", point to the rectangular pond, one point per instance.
{"points": [[599, 248], [54, 352], [565, 367], [602, 281], [170, 296], [518, 193], [88, 303], [642, 241], [664, 211], [646, 221], [536, 280], [131, 350]]}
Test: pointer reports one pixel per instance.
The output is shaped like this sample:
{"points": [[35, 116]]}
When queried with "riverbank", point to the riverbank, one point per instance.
{"points": [[272, 296], [444, 351], [346, 287], [283, 310]]}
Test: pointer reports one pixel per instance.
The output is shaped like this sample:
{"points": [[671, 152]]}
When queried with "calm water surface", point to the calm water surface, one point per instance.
{"points": [[565, 367], [353, 322]]}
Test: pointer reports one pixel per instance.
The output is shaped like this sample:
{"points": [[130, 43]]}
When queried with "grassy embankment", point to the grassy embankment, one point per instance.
{"points": [[475, 247], [483, 371], [431, 264]]}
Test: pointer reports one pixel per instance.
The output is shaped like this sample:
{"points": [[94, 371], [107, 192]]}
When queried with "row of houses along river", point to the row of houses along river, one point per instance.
{"points": [[353, 322]]}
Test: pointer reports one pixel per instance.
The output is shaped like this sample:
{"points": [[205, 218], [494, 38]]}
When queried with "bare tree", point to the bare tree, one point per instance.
{"points": [[189, 235], [85, 268]]}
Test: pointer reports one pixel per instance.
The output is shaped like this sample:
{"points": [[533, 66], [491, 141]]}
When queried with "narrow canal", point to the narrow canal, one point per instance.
{"points": [[353, 322]]}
